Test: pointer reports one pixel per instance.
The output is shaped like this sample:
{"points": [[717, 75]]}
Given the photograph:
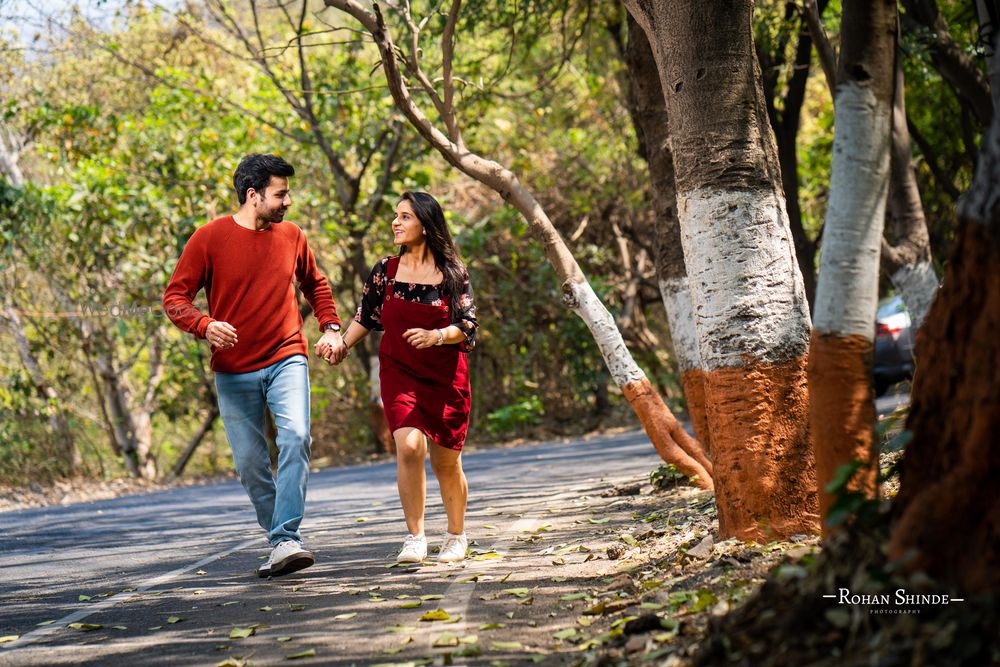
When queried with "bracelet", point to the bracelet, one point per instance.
{"points": [[440, 333]]}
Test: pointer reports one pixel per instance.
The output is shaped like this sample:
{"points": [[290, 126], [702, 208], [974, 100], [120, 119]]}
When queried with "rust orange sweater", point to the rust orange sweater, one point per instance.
{"points": [[249, 279]]}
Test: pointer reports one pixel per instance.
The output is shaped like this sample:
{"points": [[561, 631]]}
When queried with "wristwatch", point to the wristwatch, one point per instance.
{"points": [[331, 327], [440, 337]]}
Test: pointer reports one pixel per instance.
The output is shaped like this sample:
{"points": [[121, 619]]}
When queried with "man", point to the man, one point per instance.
{"points": [[247, 263]]}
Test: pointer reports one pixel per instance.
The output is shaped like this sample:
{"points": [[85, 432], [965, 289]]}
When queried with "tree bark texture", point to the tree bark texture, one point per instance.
{"points": [[751, 314], [907, 260], [785, 124], [948, 510], [842, 403], [648, 109], [670, 440]]}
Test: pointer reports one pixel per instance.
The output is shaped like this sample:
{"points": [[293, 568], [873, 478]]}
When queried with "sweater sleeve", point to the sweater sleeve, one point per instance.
{"points": [[314, 286], [190, 275]]}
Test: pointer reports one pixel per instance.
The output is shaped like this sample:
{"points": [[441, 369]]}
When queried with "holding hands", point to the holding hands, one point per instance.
{"points": [[331, 348]]}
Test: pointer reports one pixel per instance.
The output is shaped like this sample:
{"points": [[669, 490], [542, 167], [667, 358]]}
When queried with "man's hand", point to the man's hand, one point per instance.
{"points": [[221, 335], [421, 338], [331, 348]]}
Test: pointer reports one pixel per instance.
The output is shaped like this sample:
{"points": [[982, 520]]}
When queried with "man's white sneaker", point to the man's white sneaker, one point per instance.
{"points": [[414, 549], [286, 557], [454, 548]]}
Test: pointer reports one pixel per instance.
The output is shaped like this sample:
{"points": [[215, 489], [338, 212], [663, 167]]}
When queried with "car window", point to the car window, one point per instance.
{"points": [[890, 306]]}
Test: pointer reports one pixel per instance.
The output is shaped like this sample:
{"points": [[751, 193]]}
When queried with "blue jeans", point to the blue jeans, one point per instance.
{"points": [[283, 387]]}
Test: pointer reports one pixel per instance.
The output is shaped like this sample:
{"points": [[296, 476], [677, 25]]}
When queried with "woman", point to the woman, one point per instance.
{"points": [[422, 300]]}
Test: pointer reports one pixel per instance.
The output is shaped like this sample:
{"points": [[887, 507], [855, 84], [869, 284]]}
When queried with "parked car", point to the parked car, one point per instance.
{"points": [[894, 339]]}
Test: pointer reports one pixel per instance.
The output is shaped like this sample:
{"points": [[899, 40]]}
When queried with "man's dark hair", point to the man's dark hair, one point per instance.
{"points": [[255, 171]]}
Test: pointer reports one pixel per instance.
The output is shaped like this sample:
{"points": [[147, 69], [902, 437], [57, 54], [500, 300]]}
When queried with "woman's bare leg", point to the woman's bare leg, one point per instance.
{"points": [[447, 467], [411, 450]]}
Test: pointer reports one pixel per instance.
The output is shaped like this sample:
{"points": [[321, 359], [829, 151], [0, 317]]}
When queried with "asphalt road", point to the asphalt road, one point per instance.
{"points": [[166, 577], [190, 553]]}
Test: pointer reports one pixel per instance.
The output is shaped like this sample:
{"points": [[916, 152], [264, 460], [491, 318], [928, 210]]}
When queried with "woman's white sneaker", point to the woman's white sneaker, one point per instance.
{"points": [[454, 548], [414, 549]]}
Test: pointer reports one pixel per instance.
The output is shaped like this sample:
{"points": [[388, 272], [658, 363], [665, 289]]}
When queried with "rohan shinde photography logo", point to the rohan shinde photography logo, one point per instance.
{"points": [[898, 602]]}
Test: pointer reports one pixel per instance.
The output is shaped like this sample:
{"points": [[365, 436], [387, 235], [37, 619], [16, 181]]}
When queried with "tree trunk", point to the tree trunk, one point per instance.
{"points": [[751, 314], [132, 428], [667, 435], [908, 259], [648, 109], [842, 407], [948, 510], [786, 130], [205, 429]]}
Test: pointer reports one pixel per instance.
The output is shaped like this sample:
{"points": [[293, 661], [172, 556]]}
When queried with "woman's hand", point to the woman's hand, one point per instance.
{"points": [[332, 348], [421, 338]]}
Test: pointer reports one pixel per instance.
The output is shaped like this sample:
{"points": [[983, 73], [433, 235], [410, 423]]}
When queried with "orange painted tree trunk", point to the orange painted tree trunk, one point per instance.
{"points": [[649, 115], [948, 509], [842, 407], [751, 314]]}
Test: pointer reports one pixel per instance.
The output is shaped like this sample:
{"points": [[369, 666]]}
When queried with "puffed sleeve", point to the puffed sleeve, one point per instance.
{"points": [[465, 316], [369, 313]]}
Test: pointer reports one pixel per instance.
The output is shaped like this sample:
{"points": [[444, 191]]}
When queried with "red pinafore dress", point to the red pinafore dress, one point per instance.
{"points": [[426, 389]]}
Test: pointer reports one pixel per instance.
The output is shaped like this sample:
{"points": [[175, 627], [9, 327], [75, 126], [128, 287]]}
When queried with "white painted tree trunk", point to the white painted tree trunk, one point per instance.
{"points": [[680, 316], [847, 293], [917, 284], [739, 253]]}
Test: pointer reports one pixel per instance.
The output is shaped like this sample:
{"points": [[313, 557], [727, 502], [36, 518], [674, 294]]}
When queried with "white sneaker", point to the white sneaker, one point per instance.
{"points": [[414, 549], [454, 548], [286, 557]]}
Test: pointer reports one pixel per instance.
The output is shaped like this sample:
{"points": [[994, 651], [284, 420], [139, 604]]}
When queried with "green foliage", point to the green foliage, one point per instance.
{"points": [[510, 418], [666, 476]]}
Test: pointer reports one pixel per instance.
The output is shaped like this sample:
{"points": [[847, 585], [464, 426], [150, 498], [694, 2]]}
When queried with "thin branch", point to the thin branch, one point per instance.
{"points": [[447, 53], [413, 62], [824, 49], [387, 168], [150, 73], [942, 177]]}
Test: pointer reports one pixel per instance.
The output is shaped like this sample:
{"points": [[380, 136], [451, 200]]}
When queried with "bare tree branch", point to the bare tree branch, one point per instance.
{"points": [[824, 49], [931, 158], [447, 53]]}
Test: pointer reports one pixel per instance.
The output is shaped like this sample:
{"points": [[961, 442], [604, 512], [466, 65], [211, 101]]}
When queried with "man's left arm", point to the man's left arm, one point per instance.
{"points": [[316, 289]]}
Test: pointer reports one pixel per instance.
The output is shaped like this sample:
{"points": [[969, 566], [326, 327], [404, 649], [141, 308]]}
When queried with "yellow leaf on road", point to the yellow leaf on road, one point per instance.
{"points": [[436, 615]]}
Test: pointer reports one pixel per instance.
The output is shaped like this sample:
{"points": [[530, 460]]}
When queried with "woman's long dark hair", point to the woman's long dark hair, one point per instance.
{"points": [[439, 240]]}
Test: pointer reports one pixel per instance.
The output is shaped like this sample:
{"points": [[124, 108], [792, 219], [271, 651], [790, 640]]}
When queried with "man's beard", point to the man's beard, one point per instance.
{"points": [[274, 215]]}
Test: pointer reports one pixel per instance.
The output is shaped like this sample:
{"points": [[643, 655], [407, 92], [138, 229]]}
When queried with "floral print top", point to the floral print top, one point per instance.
{"points": [[369, 314]]}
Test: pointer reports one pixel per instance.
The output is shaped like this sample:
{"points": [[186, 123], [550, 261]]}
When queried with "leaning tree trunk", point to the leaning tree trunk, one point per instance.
{"points": [[751, 313], [666, 434], [649, 115], [908, 260], [948, 510], [842, 407]]}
